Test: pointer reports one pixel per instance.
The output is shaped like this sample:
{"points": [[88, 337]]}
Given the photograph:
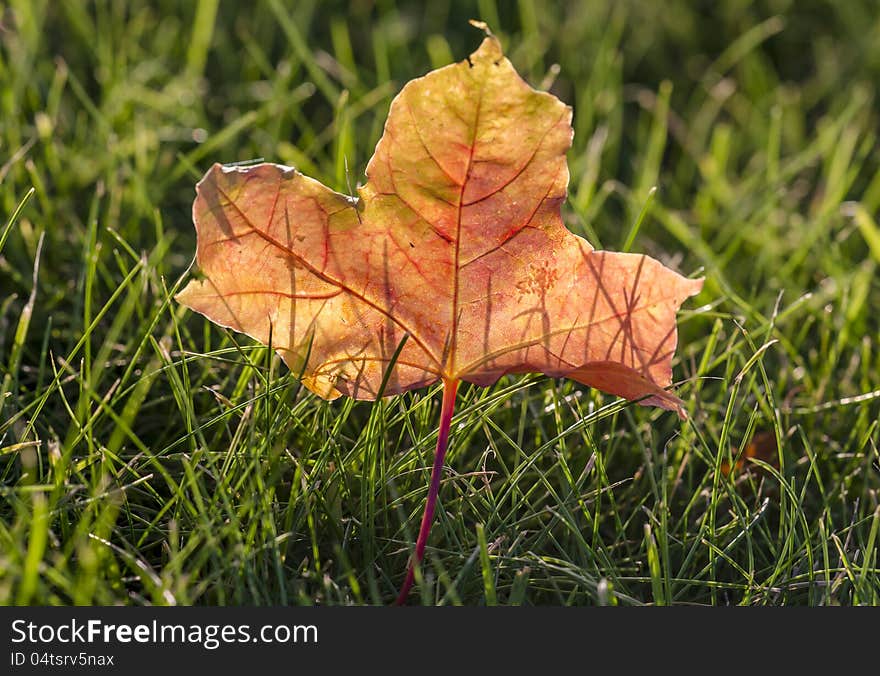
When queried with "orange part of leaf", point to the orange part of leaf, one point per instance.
{"points": [[762, 447], [455, 243]]}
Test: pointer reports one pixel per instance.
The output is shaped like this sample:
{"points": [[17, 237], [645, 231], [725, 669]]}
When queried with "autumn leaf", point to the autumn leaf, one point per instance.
{"points": [[452, 263]]}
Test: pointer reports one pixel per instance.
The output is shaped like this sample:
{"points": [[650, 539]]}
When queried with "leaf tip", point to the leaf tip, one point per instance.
{"points": [[695, 286], [482, 25], [490, 48], [668, 402], [184, 296], [215, 168]]}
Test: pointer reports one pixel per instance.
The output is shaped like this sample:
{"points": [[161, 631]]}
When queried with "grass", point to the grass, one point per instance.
{"points": [[147, 457]]}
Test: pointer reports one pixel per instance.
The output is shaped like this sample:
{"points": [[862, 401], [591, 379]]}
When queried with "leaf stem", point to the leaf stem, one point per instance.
{"points": [[450, 387]]}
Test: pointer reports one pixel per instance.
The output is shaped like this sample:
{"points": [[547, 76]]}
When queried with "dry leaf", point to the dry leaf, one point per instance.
{"points": [[456, 240], [453, 263]]}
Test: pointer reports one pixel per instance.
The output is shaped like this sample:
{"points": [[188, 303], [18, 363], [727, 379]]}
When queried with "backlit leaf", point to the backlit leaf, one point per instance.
{"points": [[455, 242], [452, 263]]}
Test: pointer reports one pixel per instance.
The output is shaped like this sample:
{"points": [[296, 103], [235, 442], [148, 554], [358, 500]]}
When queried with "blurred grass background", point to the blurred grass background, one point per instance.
{"points": [[147, 457]]}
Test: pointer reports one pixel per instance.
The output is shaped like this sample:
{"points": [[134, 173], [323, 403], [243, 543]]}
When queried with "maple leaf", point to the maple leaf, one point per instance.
{"points": [[452, 264]]}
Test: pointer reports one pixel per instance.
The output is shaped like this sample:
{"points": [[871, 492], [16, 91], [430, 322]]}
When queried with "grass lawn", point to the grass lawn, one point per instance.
{"points": [[148, 457]]}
